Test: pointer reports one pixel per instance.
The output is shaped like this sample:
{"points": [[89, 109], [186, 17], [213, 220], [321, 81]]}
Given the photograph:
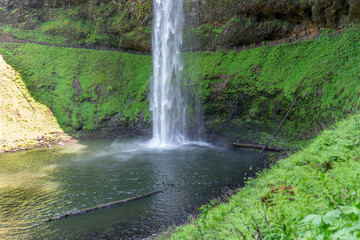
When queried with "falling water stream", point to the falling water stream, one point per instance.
{"points": [[167, 102]]}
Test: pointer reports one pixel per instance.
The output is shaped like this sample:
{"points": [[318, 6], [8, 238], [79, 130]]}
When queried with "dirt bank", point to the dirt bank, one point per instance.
{"points": [[24, 122]]}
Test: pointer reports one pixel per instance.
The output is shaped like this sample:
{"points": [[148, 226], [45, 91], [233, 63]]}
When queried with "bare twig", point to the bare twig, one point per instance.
{"points": [[276, 149], [255, 225], [243, 235], [265, 217]]}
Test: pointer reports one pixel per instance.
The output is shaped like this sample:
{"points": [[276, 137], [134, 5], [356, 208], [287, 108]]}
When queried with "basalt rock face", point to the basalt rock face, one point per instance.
{"points": [[209, 23], [110, 23], [235, 23]]}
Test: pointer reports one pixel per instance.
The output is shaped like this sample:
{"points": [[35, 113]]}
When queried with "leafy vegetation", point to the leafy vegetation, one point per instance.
{"points": [[85, 89], [325, 205], [242, 93], [323, 177], [96, 24], [24, 122], [62, 30], [259, 85]]}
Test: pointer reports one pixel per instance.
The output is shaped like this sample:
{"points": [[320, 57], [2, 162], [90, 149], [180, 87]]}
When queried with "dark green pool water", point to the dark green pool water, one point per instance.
{"points": [[43, 183]]}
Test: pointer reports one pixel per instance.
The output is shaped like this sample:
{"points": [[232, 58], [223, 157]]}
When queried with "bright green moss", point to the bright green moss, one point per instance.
{"points": [[111, 83], [261, 84], [249, 87], [325, 204]]}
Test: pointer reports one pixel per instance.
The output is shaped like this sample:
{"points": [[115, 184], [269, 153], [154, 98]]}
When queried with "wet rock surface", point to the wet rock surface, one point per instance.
{"points": [[209, 23]]}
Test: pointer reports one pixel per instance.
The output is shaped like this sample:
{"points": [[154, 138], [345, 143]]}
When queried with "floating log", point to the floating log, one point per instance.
{"points": [[106, 205], [270, 148]]}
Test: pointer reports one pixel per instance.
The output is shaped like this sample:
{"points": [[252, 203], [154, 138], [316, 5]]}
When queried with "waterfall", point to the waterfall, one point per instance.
{"points": [[166, 101]]}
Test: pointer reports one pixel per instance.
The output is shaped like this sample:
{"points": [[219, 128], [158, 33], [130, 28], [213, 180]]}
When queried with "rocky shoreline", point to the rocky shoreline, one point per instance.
{"points": [[41, 141]]}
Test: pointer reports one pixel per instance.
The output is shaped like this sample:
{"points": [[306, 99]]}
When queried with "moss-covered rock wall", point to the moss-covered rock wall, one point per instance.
{"points": [[249, 91], [209, 23], [240, 93], [85, 89]]}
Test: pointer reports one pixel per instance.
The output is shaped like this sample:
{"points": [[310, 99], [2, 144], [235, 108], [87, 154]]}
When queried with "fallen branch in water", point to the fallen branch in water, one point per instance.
{"points": [[106, 205], [276, 149]]}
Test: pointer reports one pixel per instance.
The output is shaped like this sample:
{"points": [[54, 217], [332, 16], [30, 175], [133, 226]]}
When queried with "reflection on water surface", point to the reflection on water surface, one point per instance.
{"points": [[43, 183]]}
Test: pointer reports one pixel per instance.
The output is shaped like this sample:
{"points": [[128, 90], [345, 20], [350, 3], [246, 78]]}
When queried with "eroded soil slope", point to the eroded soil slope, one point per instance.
{"points": [[24, 123]]}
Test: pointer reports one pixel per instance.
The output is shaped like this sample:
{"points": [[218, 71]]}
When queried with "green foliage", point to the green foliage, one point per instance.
{"points": [[65, 28], [112, 24], [342, 223], [259, 85], [325, 205], [251, 86], [111, 84], [239, 91]]}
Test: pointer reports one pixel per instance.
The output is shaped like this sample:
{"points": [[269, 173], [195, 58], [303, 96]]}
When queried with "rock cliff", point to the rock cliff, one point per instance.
{"points": [[209, 23]]}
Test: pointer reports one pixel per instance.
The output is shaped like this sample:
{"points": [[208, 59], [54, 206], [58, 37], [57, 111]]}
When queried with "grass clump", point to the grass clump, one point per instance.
{"points": [[325, 205]]}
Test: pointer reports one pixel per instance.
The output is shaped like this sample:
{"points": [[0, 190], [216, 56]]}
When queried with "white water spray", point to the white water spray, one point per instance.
{"points": [[167, 103]]}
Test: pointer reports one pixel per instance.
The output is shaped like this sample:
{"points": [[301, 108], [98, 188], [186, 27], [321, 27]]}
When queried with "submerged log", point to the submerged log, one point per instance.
{"points": [[106, 205], [270, 148]]}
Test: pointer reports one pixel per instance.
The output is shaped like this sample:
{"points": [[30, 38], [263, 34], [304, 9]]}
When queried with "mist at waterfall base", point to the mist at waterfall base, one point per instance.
{"points": [[39, 184]]}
